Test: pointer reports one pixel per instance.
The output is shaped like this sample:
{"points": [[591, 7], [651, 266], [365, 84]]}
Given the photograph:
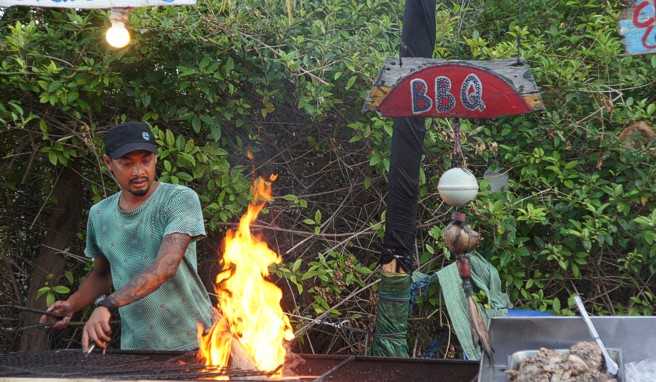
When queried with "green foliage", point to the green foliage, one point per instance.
{"points": [[53, 293], [225, 189], [302, 203], [55, 66], [326, 279], [315, 222], [577, 211]]}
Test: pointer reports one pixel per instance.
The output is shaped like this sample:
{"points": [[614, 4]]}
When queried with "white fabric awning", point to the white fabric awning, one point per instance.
{"points": [[94, 4]]}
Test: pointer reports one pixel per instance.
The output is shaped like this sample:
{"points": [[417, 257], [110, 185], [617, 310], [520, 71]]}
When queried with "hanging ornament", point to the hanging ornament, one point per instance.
{"points": [[459, 237], [457, 187]]}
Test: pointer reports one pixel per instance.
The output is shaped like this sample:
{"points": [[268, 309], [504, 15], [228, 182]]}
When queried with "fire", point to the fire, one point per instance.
{"points": [[249, 304]]}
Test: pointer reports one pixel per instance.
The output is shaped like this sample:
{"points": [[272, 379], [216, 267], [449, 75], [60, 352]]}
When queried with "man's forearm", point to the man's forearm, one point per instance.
{"points": [[164, 268], [141, 286], [95, 284]]}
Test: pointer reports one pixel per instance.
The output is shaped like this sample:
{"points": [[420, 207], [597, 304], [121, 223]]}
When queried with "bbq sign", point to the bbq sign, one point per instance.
{"points": [[471, 95], [419, 87]]}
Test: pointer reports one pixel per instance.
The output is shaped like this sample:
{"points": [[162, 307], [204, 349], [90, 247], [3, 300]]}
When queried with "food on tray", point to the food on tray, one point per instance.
{"points": [[583, 363]]}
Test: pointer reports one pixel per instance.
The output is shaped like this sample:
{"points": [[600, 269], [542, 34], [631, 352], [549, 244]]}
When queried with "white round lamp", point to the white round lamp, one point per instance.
{"points": [[117, 35], [457, 186]]}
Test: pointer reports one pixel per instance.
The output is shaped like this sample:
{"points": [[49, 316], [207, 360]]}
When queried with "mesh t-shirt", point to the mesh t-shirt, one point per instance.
{"points": [[165, 319]]}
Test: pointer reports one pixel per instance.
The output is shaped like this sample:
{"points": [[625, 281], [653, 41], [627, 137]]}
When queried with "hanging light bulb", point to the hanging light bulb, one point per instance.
{"points": [[117, 35]]}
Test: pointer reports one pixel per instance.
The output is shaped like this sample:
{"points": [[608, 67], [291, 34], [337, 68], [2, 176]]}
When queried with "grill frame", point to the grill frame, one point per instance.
{"points": [[129, 366]]}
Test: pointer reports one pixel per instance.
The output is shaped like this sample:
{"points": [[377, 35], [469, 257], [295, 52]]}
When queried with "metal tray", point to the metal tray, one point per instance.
{"points": [[616, 354], [635, 335]]}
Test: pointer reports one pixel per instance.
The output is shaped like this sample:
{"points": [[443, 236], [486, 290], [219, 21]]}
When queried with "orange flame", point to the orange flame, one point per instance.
{"points": [[248, 302]]}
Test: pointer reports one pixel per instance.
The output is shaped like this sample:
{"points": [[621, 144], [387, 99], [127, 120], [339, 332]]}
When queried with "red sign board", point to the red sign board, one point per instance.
{"points": [[455, 89]]}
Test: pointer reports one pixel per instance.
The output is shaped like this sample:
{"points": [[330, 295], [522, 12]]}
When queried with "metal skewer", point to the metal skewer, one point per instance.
{"points": [[32, 310], [611, 366], [93, 346]]}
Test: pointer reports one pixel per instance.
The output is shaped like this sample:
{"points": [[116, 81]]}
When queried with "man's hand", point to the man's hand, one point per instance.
{"points": [[60, 308], [97, 329], [98, 282]]}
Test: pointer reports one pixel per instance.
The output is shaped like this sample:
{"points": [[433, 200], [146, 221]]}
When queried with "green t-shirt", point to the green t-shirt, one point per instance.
{"points": [[166, 319]]}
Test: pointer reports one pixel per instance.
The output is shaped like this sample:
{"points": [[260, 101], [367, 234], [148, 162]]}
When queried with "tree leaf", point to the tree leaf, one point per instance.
{"points": [[69, 277], [187, 158], [52, 157], [297, 265], [195, 124], [556, 305], [61, 289], [170, 138], [41, 291], [651, 108], [290, 198]]}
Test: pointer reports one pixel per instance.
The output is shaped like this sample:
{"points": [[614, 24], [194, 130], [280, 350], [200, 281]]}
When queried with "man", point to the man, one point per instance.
{"points": [[143, 243]]}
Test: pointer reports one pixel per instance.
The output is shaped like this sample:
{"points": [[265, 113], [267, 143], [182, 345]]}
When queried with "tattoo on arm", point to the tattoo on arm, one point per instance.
{"points": [[171, 252]]}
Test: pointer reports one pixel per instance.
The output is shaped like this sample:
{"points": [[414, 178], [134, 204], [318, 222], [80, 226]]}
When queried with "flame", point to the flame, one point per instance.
{"points": [[249, 304]]}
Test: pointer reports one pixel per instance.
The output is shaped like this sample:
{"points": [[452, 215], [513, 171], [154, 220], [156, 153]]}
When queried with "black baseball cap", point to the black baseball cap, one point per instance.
{"points": [[128, 137]]}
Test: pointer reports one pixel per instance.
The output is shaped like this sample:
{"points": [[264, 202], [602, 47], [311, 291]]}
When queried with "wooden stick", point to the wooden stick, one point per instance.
{"points": [[239, 359]]}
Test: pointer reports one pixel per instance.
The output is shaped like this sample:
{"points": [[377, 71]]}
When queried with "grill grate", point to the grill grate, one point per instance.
{"points": [[69, 365], [74, 364]]}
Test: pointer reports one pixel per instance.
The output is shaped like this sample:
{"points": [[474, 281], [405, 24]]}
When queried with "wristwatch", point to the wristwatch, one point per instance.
{"points": [[106, 302]]}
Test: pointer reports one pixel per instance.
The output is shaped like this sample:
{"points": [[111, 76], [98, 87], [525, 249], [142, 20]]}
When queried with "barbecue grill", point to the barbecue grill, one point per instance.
{"points": [[73, 365]]}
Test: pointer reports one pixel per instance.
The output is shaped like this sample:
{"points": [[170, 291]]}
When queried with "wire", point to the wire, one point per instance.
{"points": [[461, 17], [458, 157], [519, 32]]}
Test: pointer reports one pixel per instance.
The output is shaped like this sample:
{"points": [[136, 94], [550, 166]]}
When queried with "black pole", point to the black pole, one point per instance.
{"points": [[417, 40], [390, 337]]}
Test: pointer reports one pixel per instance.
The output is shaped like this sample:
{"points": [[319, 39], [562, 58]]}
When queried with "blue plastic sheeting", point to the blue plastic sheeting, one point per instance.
{"points": [[514, 312], [638, 27]]}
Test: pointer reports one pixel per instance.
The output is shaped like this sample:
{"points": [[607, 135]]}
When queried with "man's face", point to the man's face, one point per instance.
{"points": [[134, 172]]}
